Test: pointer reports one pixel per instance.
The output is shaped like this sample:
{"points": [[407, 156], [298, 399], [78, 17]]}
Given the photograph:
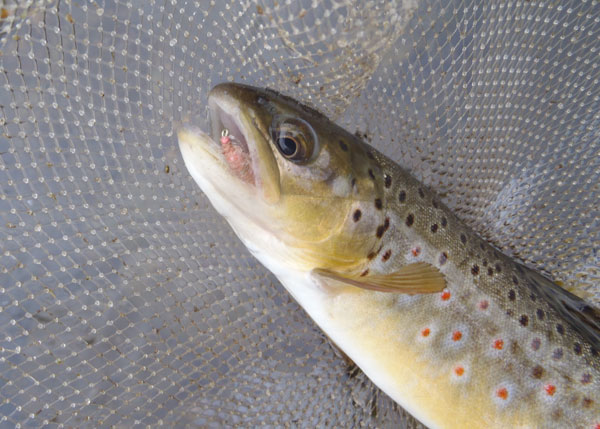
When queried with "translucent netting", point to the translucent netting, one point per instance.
{"points": [[125, 300]]}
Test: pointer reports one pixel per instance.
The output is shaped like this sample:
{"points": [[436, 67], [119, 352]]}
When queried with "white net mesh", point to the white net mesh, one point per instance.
{"points": [[125, 300]]}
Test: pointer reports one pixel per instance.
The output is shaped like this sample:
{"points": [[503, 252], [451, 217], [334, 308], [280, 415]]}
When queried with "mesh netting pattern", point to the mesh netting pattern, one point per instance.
{"points": [[126, 300]]}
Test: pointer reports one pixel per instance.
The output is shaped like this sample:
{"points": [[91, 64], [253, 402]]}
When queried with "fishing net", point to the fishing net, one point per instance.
{"points": [[126, 301]]}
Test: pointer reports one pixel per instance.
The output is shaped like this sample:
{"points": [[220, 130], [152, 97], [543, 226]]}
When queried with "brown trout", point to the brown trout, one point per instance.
{"points": [[454, 331]]}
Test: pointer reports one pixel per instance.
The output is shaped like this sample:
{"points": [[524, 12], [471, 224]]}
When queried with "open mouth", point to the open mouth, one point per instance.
{"points": [[234, 145]]}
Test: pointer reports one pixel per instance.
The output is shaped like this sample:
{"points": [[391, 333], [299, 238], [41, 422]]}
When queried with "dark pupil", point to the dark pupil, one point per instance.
{"points": [[287, 145]]}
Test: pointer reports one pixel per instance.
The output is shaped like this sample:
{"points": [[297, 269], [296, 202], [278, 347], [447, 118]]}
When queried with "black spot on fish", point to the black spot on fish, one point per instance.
{"points": [[498, 268], [371, 175], [434, 204], [540, 313], [443, 258], [381, 229], [587, 402], [421, 193], [512, 295], [387, 180], [524, 320], [515, 280], [537, 372], [371, 255], [560, 329], [463, 238], [594, 351], [536, 343], [410, 219], [378, 204], [577, 348], [444, 222], [402, 196], [533, 297], [434, 228], [343, 146], [510, 313], [364, 273], [386, 255], [356, 216], [490, 271], [484, 263], [482, 246], [557, 354], [475, 270]]}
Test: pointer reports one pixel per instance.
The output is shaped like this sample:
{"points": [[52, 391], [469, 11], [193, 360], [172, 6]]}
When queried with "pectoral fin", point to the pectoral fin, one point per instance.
{"points": [[419, 277]]}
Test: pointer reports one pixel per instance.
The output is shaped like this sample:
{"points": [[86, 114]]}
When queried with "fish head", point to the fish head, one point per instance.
{"points": [[286, 178]]}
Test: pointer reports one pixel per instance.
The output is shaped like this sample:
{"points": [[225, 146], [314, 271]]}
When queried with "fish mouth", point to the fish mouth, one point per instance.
{"points": [[232, 135], [244, 143], [236, 157]]}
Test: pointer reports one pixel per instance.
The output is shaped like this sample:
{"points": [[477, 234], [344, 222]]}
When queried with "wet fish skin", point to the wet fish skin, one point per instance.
{"points": [[499, 346]]}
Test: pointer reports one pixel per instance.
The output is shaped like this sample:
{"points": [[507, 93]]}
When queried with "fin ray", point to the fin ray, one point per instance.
{"points": [[418, 277]]}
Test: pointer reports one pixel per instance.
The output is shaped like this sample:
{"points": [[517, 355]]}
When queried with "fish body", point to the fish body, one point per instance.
{"points": [[454, 331]]}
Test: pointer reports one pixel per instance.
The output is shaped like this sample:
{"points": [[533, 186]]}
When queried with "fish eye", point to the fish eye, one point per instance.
{"points": [[287, 146], [294, 138]]}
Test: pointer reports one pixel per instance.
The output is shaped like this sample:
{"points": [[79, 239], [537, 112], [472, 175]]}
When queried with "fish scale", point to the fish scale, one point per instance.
{"points": [[453, 330]]}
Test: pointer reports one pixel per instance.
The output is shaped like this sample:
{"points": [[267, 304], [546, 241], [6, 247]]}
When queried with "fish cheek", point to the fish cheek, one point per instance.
{"points": [[342, 232], [313, 219]]}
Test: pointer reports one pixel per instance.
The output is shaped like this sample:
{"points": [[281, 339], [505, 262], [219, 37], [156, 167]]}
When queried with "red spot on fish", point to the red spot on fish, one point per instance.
{"points": [[498, 344], [459, 370], [225, 140], [502, 393], [446, 295], [456, 336], [425, 332], [416, 251], [550, 389], [483, 305], [597, 426]]}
